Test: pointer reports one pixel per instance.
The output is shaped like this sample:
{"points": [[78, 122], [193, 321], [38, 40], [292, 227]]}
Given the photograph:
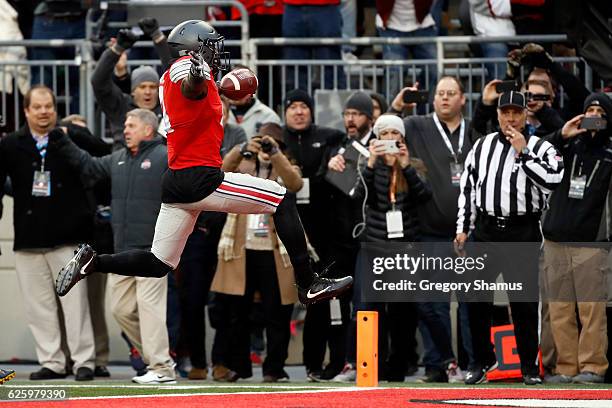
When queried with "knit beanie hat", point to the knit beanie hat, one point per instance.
{"points": [[361, 102], [142, 74], [388, 121], [298, 95], [599, 99]]}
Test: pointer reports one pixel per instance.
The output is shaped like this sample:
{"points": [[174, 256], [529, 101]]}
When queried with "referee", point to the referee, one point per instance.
{"points": [[504, 189]]}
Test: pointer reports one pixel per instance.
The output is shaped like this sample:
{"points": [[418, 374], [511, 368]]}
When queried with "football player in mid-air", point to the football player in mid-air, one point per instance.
{"points": [[194, 182], [6, 375]]}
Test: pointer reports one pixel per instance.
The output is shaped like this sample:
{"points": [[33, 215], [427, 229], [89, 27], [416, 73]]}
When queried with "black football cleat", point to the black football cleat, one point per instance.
{"points": [[76, 269], [324, 288]]}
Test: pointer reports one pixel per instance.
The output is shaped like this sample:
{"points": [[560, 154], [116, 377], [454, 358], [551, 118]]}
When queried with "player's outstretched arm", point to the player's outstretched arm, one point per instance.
{"points": [[194, 86]]}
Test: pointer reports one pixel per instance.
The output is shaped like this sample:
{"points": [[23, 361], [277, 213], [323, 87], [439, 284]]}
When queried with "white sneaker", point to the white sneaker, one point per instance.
{"points": [[454, 373], [151, 377], [348, 374]]}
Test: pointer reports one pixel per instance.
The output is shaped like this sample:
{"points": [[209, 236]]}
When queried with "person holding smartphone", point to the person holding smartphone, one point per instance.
{"points": [[442, 140], [576, 274], [395, 187]]}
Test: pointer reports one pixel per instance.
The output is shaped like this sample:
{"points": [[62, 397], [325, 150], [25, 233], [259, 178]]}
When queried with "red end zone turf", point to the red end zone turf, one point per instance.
{"points": [[384, 397]]}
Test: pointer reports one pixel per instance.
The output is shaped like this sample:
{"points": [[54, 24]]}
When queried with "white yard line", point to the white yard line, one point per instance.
{"points": [[533, 403]]}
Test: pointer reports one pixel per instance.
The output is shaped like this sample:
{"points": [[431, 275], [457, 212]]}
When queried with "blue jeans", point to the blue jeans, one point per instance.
{"points": [[432, 357], [348, 9], [45, 28], [427, 77], [436, 14], [313, 22], [495, 70]]}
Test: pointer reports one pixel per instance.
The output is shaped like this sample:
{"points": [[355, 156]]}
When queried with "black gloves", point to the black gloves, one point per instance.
{"points": [[536, 56], [199, 68], [125, 39], [150, 27], [55, 135]]}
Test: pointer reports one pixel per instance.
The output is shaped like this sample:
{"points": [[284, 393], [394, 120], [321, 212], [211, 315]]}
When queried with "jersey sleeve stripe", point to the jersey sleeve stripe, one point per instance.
{"points": [[180, 70]]}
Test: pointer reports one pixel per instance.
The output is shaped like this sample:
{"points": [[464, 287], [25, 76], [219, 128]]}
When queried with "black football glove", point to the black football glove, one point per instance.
{"points": [[150, 27], [536, 55], [199, 68], [125, 39]]}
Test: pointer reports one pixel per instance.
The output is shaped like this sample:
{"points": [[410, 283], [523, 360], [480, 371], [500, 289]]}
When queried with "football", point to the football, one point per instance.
{"points": [[238, 83]]}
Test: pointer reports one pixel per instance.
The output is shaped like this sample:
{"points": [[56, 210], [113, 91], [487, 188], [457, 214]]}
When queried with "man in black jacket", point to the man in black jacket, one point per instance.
{"points": [[51, 214], [135, 172], [306, 144], [346, 212], [576, 274], [144, 80], [442, 140]]}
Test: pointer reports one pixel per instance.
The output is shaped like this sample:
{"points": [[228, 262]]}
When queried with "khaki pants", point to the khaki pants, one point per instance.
{"points": [[36, 274], [579, 273], [547, 343], [96, 289], [139, 305]]}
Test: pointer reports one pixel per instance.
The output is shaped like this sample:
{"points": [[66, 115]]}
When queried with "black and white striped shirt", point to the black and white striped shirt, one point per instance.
{"points": [[496, 182]]}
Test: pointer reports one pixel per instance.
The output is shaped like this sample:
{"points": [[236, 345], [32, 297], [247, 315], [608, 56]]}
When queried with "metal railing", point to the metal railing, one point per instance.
{"points": [[374, 74], [367, 74]]}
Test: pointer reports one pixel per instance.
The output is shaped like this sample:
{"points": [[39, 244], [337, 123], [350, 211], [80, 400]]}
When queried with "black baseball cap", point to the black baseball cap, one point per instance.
{"points": [[512, 98]]}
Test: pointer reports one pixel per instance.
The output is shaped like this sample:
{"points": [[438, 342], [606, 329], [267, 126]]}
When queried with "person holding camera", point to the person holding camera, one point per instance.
{"points": [[144, 81], [539, 65], [252, 258], [542, 119], [576, 273]]}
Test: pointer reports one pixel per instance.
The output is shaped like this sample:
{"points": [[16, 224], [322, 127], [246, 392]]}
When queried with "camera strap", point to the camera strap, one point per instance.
{"points": [[258, 167]]}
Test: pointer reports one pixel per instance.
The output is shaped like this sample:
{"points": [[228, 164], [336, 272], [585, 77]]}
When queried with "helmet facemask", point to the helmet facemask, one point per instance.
{"points": [[213, 53]]}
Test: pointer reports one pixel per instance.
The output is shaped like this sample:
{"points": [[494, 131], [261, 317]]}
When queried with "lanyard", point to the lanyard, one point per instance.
{"points": [[41, 145], [447, 140], [393, 186], [580, 170]]}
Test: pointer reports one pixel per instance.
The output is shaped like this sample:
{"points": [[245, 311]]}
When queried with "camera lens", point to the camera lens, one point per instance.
{"points": [[266, 146]]}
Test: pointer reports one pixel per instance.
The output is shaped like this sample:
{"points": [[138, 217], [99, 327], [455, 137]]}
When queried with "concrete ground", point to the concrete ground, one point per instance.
{"points": [[124, 373]]}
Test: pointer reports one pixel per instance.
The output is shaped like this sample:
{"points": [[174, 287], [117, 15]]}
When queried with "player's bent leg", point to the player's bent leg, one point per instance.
{"points": [[312, 287], [242, 194], [174, 224], [246, 194]]}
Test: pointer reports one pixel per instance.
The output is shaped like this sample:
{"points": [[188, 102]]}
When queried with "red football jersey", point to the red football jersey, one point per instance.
{"points": [[194, 128]]}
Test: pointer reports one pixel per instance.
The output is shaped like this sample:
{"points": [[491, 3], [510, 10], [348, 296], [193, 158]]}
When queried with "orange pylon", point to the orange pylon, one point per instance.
{"points": [[367, 349]]}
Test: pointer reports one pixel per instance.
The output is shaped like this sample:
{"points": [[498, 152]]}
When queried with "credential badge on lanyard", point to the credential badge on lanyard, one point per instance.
{"points": [[41, 183], [579, 183], [456, 168]]}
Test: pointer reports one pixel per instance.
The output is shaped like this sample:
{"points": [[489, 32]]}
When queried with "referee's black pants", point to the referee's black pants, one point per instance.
{"points": [[524, 314]]}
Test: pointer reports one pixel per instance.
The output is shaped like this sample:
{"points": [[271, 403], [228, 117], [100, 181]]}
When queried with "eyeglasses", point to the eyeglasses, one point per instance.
{"points": [[349, 114], [449, 93]]}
